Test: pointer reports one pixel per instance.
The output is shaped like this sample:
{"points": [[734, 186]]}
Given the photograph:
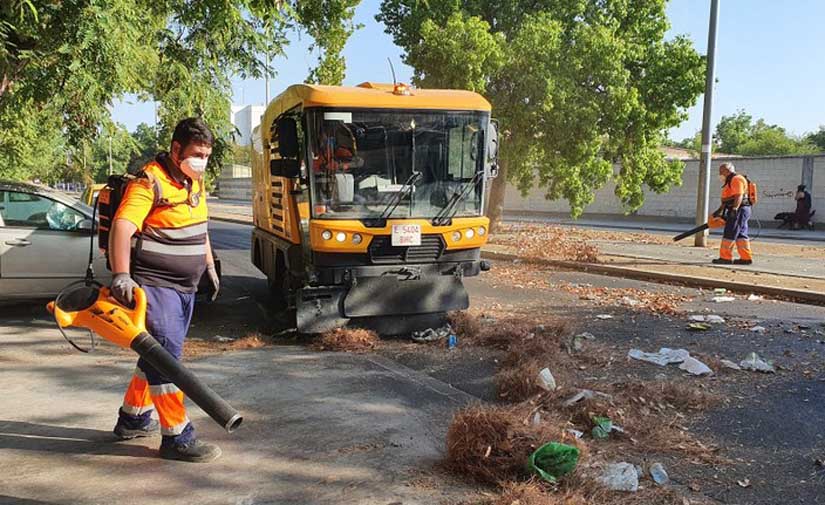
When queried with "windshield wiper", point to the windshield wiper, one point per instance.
{"points": [[409, 184], [446, 214]]}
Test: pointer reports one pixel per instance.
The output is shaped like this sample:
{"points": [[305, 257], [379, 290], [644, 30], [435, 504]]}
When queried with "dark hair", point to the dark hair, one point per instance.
{"points": [[192, 129], [801, 187]]}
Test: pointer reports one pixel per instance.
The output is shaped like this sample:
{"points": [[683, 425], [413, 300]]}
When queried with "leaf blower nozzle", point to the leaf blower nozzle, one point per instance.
{"points": [[92, 307]]}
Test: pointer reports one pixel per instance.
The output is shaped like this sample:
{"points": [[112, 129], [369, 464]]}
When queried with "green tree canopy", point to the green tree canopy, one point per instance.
{"points": [[577, 86], [68, 61], [740, 134], [817, 138]]}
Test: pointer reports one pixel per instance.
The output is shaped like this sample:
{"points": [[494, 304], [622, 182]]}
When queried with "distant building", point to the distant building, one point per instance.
{"points": [[246, 118]]}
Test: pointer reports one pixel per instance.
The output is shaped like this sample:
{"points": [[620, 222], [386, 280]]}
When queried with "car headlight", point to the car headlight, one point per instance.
{"points": [[340, 236], [469, 233], [456, 236], [326, 234], [481, 231], [357, 238]]}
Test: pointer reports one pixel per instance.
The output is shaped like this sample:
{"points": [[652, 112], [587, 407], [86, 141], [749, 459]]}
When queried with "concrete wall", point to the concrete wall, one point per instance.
{"points": [[235, 183], [776, 178]]}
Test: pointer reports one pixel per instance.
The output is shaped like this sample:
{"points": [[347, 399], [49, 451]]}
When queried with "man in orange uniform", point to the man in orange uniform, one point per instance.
{"points": [[159, 241], [736, 209]]}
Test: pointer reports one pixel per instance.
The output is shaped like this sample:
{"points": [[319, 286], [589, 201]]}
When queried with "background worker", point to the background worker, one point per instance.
{"points": [[802, 216], [736, 209], [159, 241]]}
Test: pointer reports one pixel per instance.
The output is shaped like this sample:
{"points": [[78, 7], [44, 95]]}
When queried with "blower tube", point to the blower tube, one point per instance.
{"points": [[90, 306]]}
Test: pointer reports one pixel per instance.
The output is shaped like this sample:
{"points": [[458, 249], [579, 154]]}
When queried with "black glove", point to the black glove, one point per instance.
{"points": [[214, 280], [122, 289]]}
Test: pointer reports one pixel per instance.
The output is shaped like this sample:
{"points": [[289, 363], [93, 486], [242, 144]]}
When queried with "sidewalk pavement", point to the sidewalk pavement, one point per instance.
{"points": [[788, 265], [763, 230], [320, 428]]}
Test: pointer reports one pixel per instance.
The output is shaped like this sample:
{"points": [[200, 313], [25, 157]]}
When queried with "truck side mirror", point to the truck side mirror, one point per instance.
{"points": [[287, 133], [492, 149]]}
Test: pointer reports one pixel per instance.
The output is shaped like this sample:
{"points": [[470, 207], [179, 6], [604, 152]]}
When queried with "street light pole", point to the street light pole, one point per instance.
{"points": [[703, 193], [110, 155]]}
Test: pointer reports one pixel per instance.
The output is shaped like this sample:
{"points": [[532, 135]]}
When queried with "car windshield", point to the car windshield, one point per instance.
{"points": [[372, 164]]}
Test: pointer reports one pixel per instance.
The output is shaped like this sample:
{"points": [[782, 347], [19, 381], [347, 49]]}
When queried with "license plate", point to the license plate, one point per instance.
{"points": [[404, 235]]}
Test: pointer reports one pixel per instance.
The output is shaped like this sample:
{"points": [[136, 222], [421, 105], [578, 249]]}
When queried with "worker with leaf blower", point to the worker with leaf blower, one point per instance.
{"points": [[738, 195], [158, 240]]}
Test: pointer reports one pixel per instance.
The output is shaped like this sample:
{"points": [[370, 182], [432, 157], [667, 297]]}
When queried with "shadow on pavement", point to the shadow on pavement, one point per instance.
{"points": [[26, 436]]}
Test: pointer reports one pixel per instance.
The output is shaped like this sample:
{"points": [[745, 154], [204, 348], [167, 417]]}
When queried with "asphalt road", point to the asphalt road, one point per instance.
{"points": [[770, 426]]}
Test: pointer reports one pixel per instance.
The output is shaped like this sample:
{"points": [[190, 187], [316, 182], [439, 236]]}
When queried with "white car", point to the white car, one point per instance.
{"points": [[44, 241]]}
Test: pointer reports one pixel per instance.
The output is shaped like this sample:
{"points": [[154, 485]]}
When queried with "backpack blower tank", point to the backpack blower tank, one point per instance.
{"points": [[89, 305]]}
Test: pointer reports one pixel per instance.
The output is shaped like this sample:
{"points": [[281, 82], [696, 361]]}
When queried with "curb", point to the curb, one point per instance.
{"points": [[810, 297]]}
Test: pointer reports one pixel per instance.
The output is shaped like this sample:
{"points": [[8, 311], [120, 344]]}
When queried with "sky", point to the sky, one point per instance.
{"points": [[769, 62]]}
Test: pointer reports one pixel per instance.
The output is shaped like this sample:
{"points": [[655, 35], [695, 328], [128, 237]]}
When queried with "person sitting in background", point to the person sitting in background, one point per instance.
{"points": [[803, 207]]}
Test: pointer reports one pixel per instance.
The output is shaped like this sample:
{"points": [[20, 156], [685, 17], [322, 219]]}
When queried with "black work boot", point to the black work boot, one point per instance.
{"points": [[193, 452], [123, 432], [742, 262], [720, 261]]}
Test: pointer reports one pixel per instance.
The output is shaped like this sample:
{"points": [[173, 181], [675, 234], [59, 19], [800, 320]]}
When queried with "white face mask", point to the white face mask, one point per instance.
{"points": [[193, 167]]}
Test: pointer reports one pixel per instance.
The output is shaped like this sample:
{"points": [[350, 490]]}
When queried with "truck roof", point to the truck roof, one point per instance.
{"points": [[373, 95]]}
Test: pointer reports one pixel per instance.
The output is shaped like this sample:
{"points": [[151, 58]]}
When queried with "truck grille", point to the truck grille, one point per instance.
{"points": [[381, 250]]}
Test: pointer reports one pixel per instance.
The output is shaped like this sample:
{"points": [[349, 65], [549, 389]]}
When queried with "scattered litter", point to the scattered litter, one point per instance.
{"points": [[585, 394], [431, 335], [632, 302], [753, 362], [695, 367], [452, 342], [722, 299], [604, 316], [576, 344], [744, 483], [619, 477], [603, 427], [664, 357], [659, 474], [755, 298], [730, 364], [720, 291], [759, 329], [576, 433], [551, 461], [803, 326], [698, 327], [711, 318], [220, 338], [536, 419], [819, 462], [546, 380], [242, 298]]}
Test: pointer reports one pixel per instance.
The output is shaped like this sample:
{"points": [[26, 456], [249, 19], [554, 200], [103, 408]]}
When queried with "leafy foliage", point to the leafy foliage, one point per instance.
{"points": [[740, 134], [65, 62], [576, 85]]}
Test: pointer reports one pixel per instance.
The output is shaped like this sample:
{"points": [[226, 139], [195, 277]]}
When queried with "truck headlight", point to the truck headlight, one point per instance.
{"points": [[341, 236], [456, 236], [326, 234], [469, 233], [357, 238], [481, 231]]}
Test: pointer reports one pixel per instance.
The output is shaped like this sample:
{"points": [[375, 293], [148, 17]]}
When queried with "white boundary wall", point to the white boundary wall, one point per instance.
{"points": [[776, 177]]}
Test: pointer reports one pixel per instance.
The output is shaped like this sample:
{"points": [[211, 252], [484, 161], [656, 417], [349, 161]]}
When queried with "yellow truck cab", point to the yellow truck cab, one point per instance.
{"points": [[368, 201]]}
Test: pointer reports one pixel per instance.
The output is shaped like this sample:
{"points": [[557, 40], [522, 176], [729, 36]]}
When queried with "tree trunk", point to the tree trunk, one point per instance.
{"points": [[495, 205]]}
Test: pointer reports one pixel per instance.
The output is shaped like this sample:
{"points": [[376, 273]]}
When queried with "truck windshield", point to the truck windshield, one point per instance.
{"points": [[361, 159]]}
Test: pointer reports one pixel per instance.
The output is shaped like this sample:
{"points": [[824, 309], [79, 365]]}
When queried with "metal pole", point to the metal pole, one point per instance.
{"points": [[266, 80], [110, 155], [703, 193]]}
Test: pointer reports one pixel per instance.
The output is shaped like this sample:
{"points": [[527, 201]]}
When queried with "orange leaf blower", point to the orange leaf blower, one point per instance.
{"points": [[713, 223], [90, 306]]}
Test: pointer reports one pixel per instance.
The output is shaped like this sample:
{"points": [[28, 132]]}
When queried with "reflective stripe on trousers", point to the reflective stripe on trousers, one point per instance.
{"points": [[168, 314]]}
